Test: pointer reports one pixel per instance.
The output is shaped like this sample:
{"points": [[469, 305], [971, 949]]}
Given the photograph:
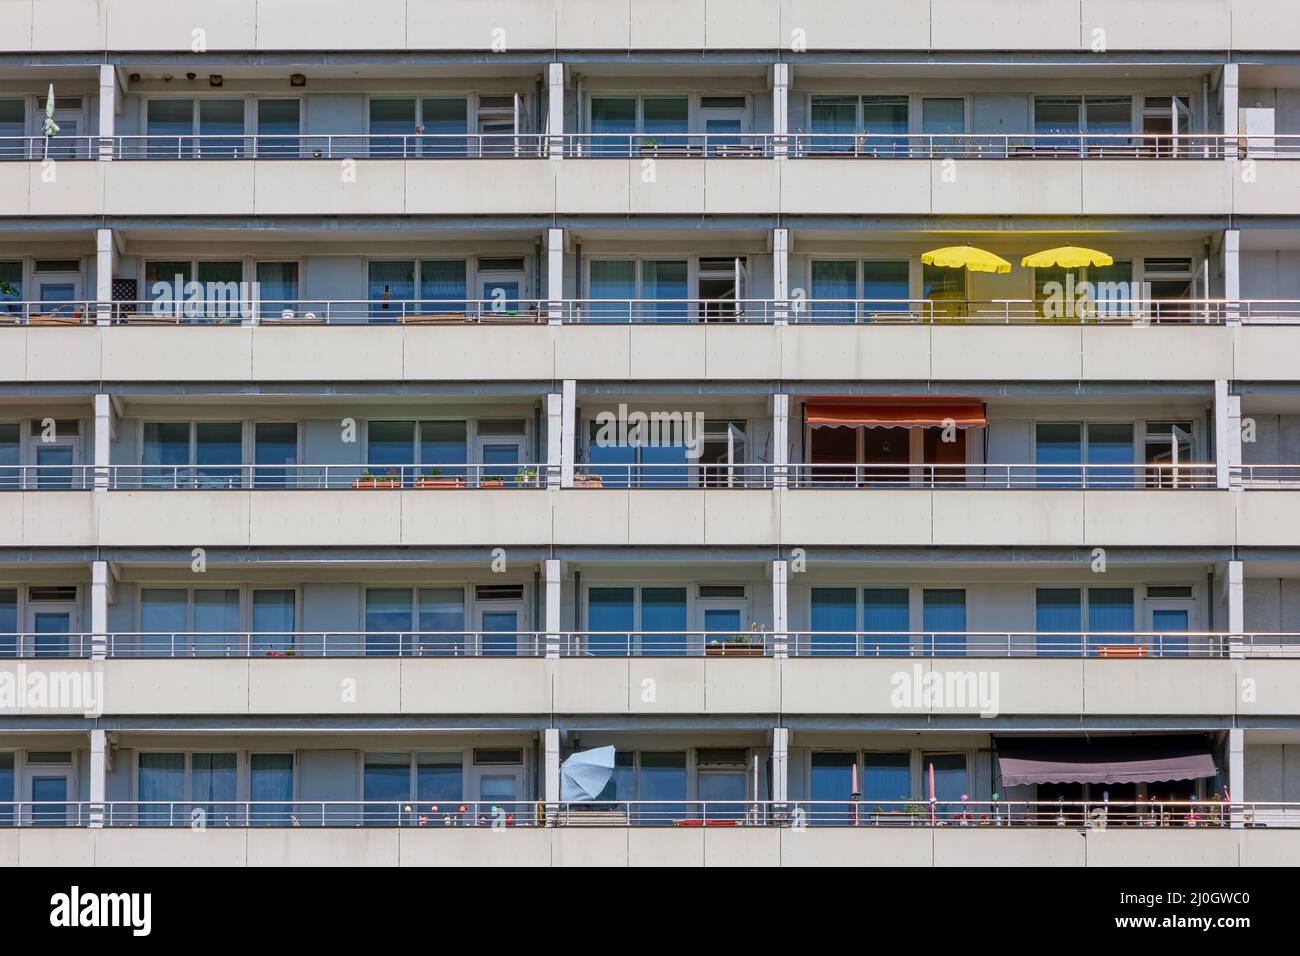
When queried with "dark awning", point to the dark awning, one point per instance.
{"points": [[1104, 759], [894, 413]]}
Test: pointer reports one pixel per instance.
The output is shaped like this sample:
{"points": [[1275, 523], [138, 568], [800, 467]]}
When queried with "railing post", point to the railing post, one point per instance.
{"points": [[780, 276], [1232, 276], [555, 110], [554, 585], [1231, 115], [780, 440], [780, 608], [780, 111], [551, 771], [110, 104]]}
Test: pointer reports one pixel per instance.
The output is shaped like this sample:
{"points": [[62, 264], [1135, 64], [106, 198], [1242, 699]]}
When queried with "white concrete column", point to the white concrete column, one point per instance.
{"points": [[555, 109], [110, 104], [1227, 433], [551, 769], [780, 609], [1232, 274], [780, 440], [1231, 102], [99, 767], [554, 276], [1237, 772], [780, 109], [781, 274], [100, 585], [554, 575], [1236, 601], [105, 432], [105, 264], [554, 438], [568, 431], [780, 764]]}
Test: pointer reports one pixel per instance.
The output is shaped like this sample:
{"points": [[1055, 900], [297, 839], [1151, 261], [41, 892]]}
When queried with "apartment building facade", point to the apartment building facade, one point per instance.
{"points": [[400, 399]]}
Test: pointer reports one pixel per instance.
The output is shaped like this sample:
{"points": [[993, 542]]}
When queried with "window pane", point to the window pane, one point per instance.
{"points": [[446, 123], [884, 120], [11, 283], [392, 116], [832, 780], [1058, 619], [271, 787], [1109, 114], [213, 787], [439, 776], [944, 620], [274, 444], [170, 117], [1111, 443], [662, 777], [391, 284], [216, 621], [224, 121], [1110, 609], [885, 280], [834, 279], [8, 622], [10, 454], [834, 114], [443, 285], [387, 777], [613, 114], [442, 620], [943, 115], [1056, 114], [218, 443], [612, 610], [612, 279], [163, 616], [944, 286], [885, 610], [887, 777], [1057, 444], [274, 619], [161, 782], [444, 444], [663, 611], [834, 621], [390, 443], [949, 780], [277, 286], [388, 618], [663, 281], [278, 117], [664, 114], [6, 789]]}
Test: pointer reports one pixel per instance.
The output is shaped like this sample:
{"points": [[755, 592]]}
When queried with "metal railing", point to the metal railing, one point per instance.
{"points": [[676, 145], [1118, 645], [686, 475], [287, 644], [1275, 477], [433, 813], [240, 309]]}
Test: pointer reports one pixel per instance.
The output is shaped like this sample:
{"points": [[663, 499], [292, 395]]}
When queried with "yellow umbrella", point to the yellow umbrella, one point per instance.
{"points": [[1067, 257], [965, 257]]}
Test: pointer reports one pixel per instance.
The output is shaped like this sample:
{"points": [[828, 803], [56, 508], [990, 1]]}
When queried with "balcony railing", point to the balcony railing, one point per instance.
{"points": [[681, 145], [1117, 645], [917, 812], [239, 308], [1276, 477], [275, 477]]}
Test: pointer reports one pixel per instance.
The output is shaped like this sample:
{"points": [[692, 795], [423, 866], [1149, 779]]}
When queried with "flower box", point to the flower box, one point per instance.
{"points": [[734, 650], [377, 483], [440, 482]]}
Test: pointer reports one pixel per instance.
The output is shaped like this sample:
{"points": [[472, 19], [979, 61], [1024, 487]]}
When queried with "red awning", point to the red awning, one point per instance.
{"points": [[886, 413]]}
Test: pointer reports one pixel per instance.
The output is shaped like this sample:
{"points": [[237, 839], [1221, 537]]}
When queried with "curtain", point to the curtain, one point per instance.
{"points": [[834, 621], [1111, 609], [610, 610], [274, 619], [663, 615], [1058, 620], [162, 782], [216, 621], [443, 285], [834, 279], [442, 620], [886, 610], [388, 618], [612, 279], [270, 788], [944, 610]]}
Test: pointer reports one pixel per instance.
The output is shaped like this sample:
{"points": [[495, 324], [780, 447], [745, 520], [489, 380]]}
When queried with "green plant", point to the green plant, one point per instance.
{"points": [[526, 476]]}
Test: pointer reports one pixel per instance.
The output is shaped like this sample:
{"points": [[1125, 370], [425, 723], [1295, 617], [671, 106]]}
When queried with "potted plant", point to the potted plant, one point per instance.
{"points": [[650, 146], [491, 481], [584, 480], [434, 479], [738, 645], [389, 479], [526, 476]]}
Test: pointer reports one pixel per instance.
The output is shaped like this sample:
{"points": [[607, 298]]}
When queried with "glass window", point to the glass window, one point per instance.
{"points": [[164, 619], [834, 289], [439, 776], [884, 120], [446, 125], [832, 780], [885, 611], [443, 285], [11, 284], [1112, 288], [1111, 610], [1111, 443], [10, 454], [442, 620], [946, 288], [215, 444], [166, 446], [6, 789], [834, 115], [1058, 620], [887, 777], [943, 119], [223, 120], [277, 287], [834, 621], [622, 783], [275, 444], [663, 282], [391, 286], [390, 443], [391, 122], [13, 122], [619, 459], [387, 778], [943, 612], [612, 279], [885, 280], [1109, 115], [444, 444], [274, 619], [1057, 115], [216, 621], [161, 782], [388, 619], [170, 124], [270, 787], [611, 115], [663, 615], [278, 124], [949, 780], [662, 778], [8, 622], [664, 115], [213, 787], [1057, 444], [610, 610]]}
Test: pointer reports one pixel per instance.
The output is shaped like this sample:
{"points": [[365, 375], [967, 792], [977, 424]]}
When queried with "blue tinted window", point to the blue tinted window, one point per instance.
{"points": [[610, 609], [887, 777], [944, 619], [1058, 619], [834, 621], [886, 610], [663, 612]]}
